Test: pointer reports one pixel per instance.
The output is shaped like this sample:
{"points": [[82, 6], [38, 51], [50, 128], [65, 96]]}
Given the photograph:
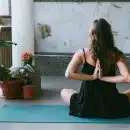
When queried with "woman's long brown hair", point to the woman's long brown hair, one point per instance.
{"points": [[103, 46]]}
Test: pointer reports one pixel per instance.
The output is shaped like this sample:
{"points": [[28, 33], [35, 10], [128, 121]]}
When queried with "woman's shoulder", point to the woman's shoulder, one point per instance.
{"points": [[82, 51]]}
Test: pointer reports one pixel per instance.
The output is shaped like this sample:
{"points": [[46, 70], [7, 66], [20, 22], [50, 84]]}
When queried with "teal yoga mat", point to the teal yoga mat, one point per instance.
{"points": [[46, 114]]}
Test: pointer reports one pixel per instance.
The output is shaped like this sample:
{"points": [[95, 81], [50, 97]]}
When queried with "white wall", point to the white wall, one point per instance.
{"points": [[70, 23], [4, 7]]}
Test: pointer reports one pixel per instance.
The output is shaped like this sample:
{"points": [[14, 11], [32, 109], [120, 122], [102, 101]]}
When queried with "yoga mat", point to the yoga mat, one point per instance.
{"points": [[47, 114]]}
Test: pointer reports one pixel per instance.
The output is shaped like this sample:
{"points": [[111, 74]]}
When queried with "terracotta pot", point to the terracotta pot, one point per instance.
{"points": [[13, 89], [29, 92]]}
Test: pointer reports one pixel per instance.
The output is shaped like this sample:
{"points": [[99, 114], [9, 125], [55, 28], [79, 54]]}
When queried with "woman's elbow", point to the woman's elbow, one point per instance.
{"points": [[128, 79], [68, 75]]}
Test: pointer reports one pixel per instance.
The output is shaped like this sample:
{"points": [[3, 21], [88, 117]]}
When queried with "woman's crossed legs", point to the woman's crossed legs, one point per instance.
{"points": [[66, 94]]}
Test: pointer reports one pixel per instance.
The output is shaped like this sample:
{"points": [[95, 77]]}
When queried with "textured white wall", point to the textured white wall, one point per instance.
{"points": [[4, 7], [70, 23]]}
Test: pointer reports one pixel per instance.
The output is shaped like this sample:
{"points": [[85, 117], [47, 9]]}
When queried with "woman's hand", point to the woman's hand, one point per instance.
{"points": [[96, 73], [100, 69], [100, 74]]}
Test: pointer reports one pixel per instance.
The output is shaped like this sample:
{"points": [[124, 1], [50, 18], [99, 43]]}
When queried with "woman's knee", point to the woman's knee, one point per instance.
{"points": [[64, 95], [63, 92], [127, 92], [67, 92]]}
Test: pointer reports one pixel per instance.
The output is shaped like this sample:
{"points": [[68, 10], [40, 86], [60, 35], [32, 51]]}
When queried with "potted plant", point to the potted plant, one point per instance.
{"points": [[29, 89], [11, 86]]}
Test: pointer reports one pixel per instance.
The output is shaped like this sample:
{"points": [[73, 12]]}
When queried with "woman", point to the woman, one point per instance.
{"points": [[98, 96]]}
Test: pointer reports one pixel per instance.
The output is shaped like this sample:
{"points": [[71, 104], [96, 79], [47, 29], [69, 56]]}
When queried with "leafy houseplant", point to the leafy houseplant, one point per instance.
{"points": [[22, 72], [4, 74], [6, 81]]}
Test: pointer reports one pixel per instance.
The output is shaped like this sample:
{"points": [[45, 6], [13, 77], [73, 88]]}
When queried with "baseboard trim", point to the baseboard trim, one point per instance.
{"points": [[62, 54]]}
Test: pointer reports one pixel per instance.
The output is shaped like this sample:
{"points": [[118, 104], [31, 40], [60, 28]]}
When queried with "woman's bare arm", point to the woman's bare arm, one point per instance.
{"points": [[124, 76], [72, 71]]}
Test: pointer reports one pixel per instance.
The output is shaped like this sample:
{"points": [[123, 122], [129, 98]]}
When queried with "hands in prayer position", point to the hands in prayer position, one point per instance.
{"points": [[98, 71]]}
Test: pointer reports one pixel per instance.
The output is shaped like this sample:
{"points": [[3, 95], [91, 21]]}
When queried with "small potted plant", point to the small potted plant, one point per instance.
{"points": [[27, 58], [29, 89]]}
